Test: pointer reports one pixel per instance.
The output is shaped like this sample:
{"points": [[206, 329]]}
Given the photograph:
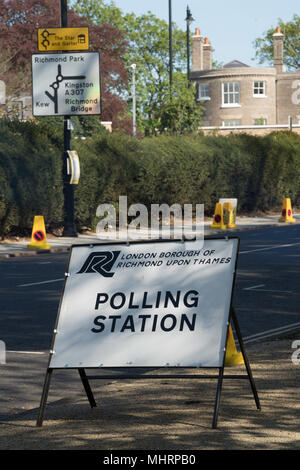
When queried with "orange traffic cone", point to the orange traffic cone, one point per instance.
{"points": [[218, 220], [232, 357], [287, 213], [38, 236]]}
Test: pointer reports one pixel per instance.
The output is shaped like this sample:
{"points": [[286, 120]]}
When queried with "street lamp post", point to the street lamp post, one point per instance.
{"points": [[188, 20], [170, 48], [133, 66]]}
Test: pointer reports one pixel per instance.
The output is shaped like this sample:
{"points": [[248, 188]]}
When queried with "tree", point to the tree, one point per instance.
{"points": [[19, 20], [148, 48], [291, 47], [100, 12], [181, 114]]}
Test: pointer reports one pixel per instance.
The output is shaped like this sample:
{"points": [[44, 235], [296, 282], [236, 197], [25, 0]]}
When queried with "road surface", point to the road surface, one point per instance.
{"points": [[266, 295]]}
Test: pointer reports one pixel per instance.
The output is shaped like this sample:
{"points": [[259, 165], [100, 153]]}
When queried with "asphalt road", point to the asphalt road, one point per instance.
{"points": [[266, 295]]}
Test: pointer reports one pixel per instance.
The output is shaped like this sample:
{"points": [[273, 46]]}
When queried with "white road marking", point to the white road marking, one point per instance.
{"points": [[269, 248], [270, 333], [254, 287], [274, 290], [41, 282], [258, 289]]}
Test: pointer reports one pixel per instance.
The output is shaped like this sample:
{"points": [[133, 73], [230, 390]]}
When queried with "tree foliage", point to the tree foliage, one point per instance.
{"points": [[148, 48], [180, 113], [19, 20], [259, 171], [291, 46]]}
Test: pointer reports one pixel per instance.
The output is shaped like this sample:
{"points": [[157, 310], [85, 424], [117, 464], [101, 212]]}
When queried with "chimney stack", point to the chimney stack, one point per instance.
{"points": [[207, 55], [278, 50], [197, 51]]}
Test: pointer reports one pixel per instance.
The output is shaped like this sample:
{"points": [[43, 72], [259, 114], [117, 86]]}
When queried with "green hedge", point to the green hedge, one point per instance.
{"points": [[259, 171]]}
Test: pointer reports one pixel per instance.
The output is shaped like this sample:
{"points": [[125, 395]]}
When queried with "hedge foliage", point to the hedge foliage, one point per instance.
{"points": [[259, 171]]}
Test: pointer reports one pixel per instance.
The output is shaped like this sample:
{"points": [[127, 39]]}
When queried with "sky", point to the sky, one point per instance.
{"points": [[230, 25]]}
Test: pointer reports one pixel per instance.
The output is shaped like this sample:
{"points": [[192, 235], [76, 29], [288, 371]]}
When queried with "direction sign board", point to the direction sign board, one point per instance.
{"points": [[146, 304], [66, 84], [63, 39]]}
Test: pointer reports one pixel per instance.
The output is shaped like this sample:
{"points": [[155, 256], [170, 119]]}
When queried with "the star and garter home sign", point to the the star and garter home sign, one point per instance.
{"points": [[145, 304]]}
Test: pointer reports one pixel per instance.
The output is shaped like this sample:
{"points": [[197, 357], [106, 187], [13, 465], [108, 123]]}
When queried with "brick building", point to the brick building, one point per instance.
{"points": [[239, 96]]}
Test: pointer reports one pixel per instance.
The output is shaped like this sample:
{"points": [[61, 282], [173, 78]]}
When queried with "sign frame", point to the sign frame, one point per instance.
{"points": [[67, 114], [231, 317]]}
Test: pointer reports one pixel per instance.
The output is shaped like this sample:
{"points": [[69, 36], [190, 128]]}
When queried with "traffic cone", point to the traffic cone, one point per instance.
{"points": [[38, 236], [287, 213], [218, 221], [232, 357], [229, 215]]}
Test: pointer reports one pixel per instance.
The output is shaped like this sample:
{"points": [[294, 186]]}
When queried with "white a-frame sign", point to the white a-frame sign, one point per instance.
{"points": [[151, 305]]}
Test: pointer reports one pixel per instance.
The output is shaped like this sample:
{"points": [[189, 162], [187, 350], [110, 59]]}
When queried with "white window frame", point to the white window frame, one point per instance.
{"points": [[234, 93], [259, 119], [259, 87], [231, 125], [204, 86]]}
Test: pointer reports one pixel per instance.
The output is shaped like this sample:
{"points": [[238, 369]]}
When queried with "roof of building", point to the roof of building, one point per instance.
{"points": [[234, 64]]}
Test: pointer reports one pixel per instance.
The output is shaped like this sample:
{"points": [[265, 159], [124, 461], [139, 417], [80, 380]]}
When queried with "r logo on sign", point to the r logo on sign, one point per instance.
{"points": [[100, 262]]}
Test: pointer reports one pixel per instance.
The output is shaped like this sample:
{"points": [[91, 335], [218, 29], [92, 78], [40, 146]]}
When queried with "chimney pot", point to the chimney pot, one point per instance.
{"points": [[278, 38], [207, 55], [197, 51]]}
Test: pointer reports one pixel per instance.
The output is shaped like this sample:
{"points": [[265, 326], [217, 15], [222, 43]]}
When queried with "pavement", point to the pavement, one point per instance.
{"points": [[18, 246], [163, 414]]}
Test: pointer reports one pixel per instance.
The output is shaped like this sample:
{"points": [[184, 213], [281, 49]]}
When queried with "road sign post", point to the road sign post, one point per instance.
{"points": [[65, 84], [68, 189]]}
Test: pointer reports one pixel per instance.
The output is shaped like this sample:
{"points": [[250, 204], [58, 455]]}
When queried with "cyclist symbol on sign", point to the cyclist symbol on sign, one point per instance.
{"points": [[55, 86]]}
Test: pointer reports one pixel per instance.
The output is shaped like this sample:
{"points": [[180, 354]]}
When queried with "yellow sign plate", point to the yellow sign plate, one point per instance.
{"points": [[63, 39]]}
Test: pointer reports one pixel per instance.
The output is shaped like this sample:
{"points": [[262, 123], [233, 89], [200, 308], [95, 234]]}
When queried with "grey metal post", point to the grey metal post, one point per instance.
{"points": [[133, 66], [69, 223], [170, 48]]}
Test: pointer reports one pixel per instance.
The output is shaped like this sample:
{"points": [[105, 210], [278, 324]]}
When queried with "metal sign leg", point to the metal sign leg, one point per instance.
{"points": [[87, 388], [247, 364], [44, 397], [218, 397]]}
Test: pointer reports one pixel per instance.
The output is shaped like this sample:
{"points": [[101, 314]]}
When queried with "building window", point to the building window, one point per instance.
{"points": [[203, 92], [259, 89], [231, 94], [231, 122], [260, 122]]}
